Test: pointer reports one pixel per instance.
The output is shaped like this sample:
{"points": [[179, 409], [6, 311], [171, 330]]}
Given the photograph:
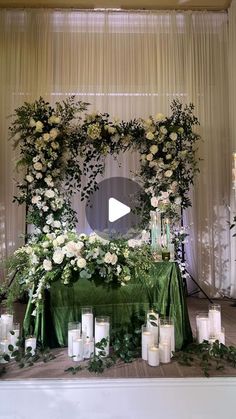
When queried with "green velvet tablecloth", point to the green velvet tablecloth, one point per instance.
{"points": [[161, 288]]}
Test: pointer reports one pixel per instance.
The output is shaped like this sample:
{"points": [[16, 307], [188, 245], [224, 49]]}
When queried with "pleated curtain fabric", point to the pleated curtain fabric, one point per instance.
{"points": [[129, 64]]}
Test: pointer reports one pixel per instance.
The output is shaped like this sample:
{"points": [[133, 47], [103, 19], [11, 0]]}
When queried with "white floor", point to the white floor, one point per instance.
{"points": [[198, 398]]}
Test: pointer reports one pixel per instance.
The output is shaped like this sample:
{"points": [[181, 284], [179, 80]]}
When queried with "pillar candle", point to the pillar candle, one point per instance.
{"points": [[72, 334], [87, 323], [167, 331], [164, 352], [202, 323], [153, 356], [77, 349], [88, 348], [214, 320]]}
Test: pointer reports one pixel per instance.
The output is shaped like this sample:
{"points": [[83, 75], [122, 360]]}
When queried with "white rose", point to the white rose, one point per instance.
{"points": [[149, 157], [38, 166], [57, 224], [153, 149], [54, 133], [165, 195], [173, 136], [47, 265], [46, 137], [149, 135], [46, 229], [61, 239], [49, 193], [114, 259], [168, 173], [168, 156], [108, 257], [55, 243], [163, 129], [45, 244], [32, 122], [29, 178], [154, 202], [160, 117], [39, 126], [58, 256], [39, 175], [81, 263]]}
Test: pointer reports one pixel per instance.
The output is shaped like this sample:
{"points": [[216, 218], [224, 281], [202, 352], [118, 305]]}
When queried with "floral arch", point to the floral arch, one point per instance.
{"points": [[61, 145]]}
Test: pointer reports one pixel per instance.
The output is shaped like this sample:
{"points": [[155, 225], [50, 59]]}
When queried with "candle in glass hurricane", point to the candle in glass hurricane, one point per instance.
{"points": [[102, 331], [147, 339], [74, 331], [153, 356], [87, 321]]}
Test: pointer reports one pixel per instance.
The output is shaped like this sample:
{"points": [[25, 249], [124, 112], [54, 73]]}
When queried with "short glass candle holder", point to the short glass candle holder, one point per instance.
{"points": [[153, 355], [77, 349], [30, 342], [74, 331]]}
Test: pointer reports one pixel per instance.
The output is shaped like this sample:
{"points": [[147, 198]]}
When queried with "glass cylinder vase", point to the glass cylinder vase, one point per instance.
{"points": [[102, 331]]}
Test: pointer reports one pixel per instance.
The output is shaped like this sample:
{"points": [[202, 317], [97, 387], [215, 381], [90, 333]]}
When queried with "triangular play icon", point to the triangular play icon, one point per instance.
{"points": [[116, 210]]}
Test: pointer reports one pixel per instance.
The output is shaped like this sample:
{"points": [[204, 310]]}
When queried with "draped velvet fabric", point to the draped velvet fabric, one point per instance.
{"points": [[161, 288]]}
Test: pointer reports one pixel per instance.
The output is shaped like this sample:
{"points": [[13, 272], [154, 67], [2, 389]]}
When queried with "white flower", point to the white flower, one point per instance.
{"points": [[110, 258], [36, 158], [55, 145], [32, 122], [39, 175], [35, 199], [46, 137], [81, 263], [54, 133], [173, 136], [54, 119], [93, 238], [168, 156], [38, 166], [181, 130], [45, 208], [154, 202], [49, 193], [82, 236], [152, 163], [48, 181], [29, 178], [58, 256], [118, 270], [47, 265], [168, 173], [73, 249], [163, 129], [153, 149], [45, 244], [94, 131], [160, 117], [149, 157], [46, 229], [178, 200], [149, 135], [57, 224], [39, 126], [164, 195], [127, 278], [61, 239]]}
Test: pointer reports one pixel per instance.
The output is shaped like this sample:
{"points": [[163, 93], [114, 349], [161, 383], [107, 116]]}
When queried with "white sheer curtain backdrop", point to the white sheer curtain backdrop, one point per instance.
{"points": [[232, 125], [129, 64]]}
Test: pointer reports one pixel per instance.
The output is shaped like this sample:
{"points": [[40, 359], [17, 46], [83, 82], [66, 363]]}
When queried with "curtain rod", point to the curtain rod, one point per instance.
{"points": [[111, 10]]}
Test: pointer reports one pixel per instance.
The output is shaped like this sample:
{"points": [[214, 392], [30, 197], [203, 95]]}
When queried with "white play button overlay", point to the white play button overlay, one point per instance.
{"points": [[116, 210]]}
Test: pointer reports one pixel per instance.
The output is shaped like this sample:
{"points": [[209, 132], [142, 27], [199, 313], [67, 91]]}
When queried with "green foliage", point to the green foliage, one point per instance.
{"points": [[207, 356]]}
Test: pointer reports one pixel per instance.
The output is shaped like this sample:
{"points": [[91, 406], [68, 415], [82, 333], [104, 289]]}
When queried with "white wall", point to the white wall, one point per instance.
{"points": [[198, 398]]}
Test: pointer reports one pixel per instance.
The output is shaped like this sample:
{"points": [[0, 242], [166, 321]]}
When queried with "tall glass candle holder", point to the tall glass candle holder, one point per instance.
{"points": [[147, 339], [14, 334], [87, 321], [167, 332], [214, 315], [7, 319], [153, 324], [74, 331], [102, 331], [202, 327]]}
